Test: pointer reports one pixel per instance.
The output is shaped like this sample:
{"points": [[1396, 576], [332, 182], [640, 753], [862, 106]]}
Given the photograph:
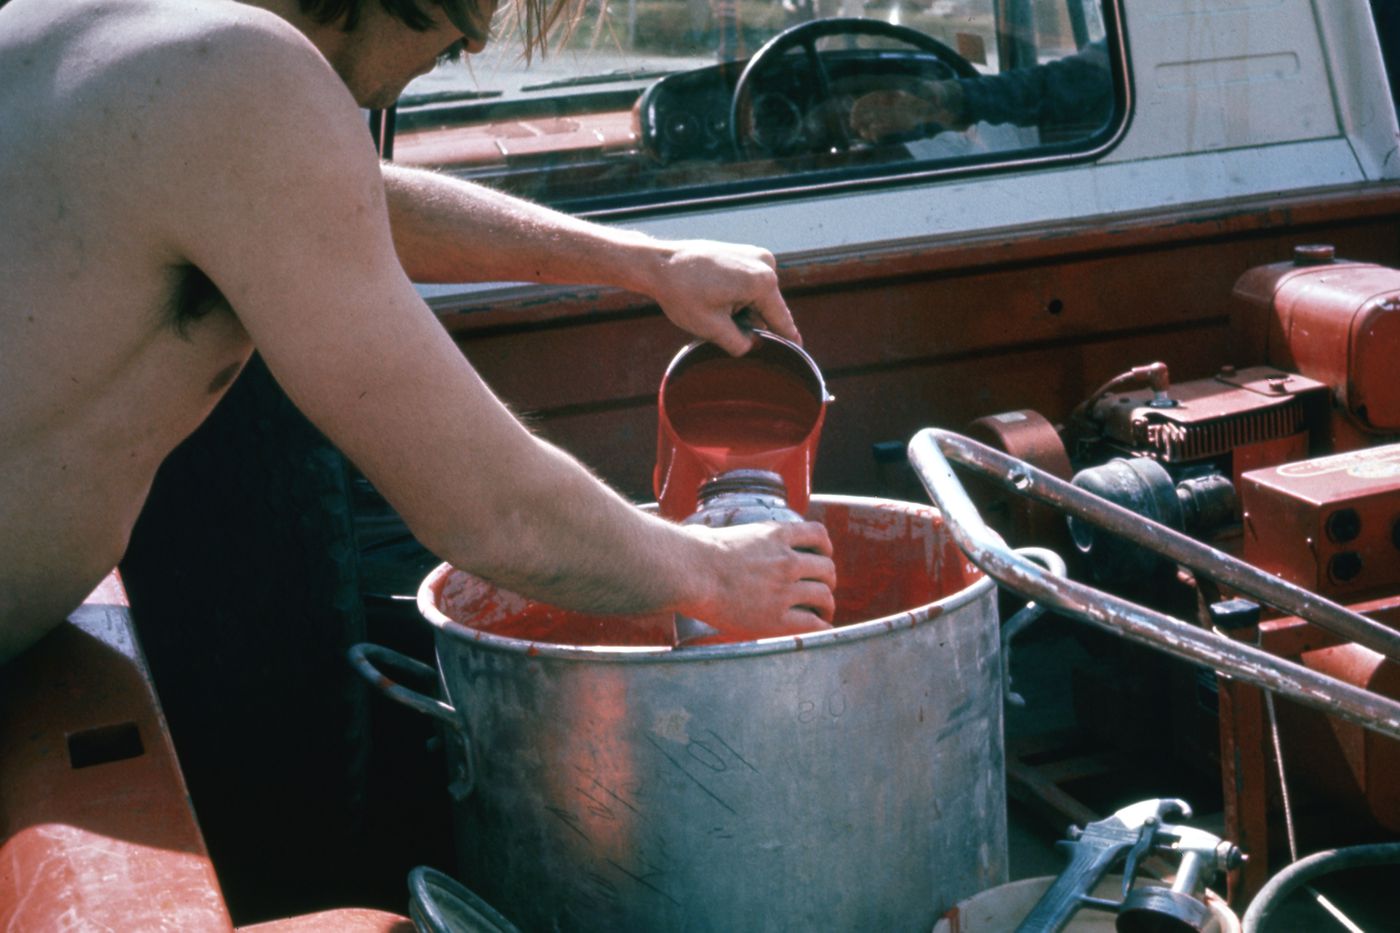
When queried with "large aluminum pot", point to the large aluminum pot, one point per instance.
{"points": [[852, 779]]}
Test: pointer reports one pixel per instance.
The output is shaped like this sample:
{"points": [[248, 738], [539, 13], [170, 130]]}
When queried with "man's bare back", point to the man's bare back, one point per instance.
{"points": [[99, 375], [163, 154]]}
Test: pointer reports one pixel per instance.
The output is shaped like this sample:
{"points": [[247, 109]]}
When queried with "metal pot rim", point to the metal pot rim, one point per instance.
{"points": [[870, 628]]}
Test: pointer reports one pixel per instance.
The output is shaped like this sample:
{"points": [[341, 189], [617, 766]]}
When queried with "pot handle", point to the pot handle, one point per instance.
{"points": [[439, 903], [363, 657]]}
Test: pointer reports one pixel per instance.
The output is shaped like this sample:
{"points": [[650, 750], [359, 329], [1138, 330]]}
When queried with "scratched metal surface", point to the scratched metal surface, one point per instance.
{"points": [[844, 784]]}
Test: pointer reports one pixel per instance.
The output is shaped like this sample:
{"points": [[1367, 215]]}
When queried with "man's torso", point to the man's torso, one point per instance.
{"points": [[113, 347]]}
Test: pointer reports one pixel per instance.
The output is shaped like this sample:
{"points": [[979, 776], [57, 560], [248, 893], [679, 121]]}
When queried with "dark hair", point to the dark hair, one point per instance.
{"points": [[534, 19], [409, 12]]}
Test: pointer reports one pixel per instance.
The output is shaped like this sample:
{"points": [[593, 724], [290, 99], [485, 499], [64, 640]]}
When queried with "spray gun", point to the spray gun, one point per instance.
{"points": [[1130, 835]]}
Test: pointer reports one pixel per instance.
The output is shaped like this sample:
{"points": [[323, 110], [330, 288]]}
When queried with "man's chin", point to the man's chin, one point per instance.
{"points": [[381, 99]]}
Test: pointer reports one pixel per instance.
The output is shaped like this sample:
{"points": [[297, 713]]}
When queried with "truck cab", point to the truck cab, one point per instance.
{"points": [[1111, 206]]}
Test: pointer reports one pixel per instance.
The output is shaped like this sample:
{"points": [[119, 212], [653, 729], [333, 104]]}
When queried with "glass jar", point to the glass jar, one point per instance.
{"points": [[737, 497], [740, 497]]}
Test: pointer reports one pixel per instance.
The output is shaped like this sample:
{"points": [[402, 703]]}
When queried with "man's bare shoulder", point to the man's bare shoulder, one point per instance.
{"points": [[169, 64], [240, 57], [98, 33], [156, 113]]}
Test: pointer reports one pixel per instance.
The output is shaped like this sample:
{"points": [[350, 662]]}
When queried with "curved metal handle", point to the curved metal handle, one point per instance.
{"points": [[439, 903], [1025, 617], [363, 657], [1137, 623]]}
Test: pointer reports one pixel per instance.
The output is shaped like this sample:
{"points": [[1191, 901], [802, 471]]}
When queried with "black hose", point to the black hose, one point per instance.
{"points": [[1306, 869]]}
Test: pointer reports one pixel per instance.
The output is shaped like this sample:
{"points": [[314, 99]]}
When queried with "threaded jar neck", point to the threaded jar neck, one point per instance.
{"points": [[751, 482]]}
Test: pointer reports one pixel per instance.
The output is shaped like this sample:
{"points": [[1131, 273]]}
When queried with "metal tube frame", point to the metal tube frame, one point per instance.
{"points": [[929, 452]]}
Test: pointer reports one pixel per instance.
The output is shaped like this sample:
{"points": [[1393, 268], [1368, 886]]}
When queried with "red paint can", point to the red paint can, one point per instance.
{"points": [[718, 413]]}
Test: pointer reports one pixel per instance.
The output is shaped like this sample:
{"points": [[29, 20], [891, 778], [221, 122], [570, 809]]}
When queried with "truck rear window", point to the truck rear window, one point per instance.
{"points": [[657, 103]]}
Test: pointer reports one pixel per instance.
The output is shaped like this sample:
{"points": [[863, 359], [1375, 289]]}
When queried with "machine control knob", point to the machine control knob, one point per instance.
{"points": [[1233, 614]]}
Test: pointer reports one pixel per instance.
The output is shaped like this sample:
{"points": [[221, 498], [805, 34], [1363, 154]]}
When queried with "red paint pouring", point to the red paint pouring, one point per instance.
{"points": [[718, 413]]}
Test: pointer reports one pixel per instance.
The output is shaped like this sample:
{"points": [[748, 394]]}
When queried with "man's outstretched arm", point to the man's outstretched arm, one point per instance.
{"points": [[448, 230], [287, 216]]}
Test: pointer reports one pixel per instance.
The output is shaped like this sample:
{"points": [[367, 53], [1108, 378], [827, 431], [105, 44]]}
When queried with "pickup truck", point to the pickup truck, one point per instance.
{"points": [[1125, 199]]}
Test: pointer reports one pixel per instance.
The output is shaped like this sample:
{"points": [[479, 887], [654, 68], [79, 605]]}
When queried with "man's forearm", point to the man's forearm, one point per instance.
{"points": [[448, 230]]}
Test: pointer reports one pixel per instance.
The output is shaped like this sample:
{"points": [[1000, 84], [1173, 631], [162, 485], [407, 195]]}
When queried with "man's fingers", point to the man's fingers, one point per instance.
{"points": [[776, 315], [809, 536], [815, 598], [709, 284], [734, 338], [818, 569], [770, 306]]}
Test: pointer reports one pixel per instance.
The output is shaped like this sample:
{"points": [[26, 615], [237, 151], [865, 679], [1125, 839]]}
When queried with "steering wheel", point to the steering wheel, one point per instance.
{"points": [[805, 35]]}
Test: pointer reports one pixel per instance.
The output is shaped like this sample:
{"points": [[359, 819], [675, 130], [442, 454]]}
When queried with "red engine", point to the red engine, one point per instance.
{"points": [[1315, 339], [1288, 461]]}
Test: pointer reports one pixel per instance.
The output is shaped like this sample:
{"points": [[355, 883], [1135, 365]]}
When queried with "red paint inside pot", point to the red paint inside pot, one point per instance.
{"points": [[891, 557]]}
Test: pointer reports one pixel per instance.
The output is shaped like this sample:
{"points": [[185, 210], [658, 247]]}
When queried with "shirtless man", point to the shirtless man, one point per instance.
{"points": [[159, 152]]}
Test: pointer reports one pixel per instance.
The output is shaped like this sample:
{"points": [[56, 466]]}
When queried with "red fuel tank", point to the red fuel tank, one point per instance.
{"points": [[1331, 320]]}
